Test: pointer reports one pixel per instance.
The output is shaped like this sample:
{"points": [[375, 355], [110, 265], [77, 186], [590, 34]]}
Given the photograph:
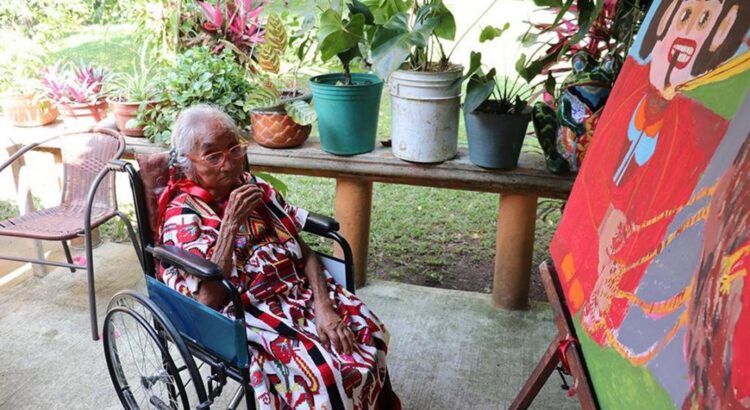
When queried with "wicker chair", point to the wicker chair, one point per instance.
{"points": [[88, 200]]}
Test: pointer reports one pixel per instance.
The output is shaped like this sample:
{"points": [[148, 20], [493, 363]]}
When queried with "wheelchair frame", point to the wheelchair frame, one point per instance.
{"points": [[174, 333]]}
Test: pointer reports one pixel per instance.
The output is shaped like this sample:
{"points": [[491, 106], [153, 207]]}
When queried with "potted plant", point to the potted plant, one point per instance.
{"points": [[77, 89], [198, 76], [347, 104], [22, 102], [425, 93], [497, 115], [129, 92], [282, 116]]}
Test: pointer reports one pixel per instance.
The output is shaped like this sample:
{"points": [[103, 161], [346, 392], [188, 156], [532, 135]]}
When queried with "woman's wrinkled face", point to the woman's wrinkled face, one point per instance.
{"points": [[219, 179]]}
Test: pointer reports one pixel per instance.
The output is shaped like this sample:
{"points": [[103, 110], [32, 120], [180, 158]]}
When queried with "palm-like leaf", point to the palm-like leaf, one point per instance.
{"points": [[263, 97], [300, 112]]}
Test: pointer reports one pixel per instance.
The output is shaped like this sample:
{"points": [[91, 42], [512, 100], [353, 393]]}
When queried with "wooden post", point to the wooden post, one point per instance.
{"points": [[353, 206], [514, 246]]}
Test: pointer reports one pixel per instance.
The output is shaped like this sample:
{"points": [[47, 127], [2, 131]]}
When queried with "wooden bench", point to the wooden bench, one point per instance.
{"points": [[519, 190]]}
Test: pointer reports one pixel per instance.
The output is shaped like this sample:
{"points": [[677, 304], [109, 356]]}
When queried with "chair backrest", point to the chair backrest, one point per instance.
{"points": [[84, 156]]}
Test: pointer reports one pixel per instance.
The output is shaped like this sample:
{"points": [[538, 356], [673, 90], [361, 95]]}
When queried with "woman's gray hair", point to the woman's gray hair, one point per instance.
{"points": [[196, 122]]}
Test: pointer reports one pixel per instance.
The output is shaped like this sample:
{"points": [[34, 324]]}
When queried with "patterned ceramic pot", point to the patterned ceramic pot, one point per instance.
{"points": [[275, 129]]}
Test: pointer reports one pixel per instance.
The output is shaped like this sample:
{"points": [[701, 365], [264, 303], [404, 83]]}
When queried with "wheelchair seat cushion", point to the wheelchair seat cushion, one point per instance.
{"points": [[154, 170]]}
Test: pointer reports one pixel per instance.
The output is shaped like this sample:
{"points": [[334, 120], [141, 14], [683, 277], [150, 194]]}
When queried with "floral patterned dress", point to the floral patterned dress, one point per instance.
{"points": [[290, 367]]}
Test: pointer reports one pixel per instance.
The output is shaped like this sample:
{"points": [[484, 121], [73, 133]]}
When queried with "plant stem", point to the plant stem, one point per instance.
{"points": [[347, 74]]}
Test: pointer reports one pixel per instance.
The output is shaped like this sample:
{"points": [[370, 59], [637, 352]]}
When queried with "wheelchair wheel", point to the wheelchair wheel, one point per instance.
{"points": [[149, 363]]}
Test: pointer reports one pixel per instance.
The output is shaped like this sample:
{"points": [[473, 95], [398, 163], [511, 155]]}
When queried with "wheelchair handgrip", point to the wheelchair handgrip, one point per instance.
{"points": [[188, 262], [320, 224]]}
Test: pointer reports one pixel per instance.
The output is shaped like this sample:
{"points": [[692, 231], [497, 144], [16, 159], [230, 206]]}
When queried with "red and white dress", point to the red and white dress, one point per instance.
{"points": [[290, 367]]}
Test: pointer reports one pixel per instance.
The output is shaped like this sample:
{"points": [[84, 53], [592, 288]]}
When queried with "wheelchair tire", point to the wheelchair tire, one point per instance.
{"points": [[148, 361]]}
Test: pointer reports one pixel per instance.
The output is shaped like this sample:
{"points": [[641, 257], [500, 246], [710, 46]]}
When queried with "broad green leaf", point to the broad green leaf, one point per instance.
{"points": [[528, 38], [521, 64], [477, 92], [336, 36], [357, 6], [383, 10], [446, 23], [491, 32], [393, 42], [300, 112], [278, 184]]}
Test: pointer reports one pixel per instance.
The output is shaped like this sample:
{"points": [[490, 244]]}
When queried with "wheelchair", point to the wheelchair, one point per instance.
{"points": [[161, 347]]}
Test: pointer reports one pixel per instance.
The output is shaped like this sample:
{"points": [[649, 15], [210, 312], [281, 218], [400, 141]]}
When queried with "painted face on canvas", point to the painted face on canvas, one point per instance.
{"points": [[695, 24]]}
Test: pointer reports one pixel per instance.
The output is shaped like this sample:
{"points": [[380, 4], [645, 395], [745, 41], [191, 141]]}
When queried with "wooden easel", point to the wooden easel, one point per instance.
{"points": [[564, 349]]}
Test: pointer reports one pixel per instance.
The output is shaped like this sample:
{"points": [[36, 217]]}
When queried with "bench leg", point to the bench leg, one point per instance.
{"points": [[353, 206], [514, 247]]}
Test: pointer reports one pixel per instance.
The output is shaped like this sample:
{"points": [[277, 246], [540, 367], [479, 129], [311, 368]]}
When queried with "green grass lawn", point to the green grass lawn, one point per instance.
{"points": [[420, 235]]}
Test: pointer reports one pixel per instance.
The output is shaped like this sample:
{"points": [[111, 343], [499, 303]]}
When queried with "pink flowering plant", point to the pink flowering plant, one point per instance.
{"points": [[75, 83], [235, 25]]}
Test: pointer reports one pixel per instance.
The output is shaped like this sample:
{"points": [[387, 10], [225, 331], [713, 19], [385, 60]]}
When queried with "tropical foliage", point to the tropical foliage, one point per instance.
{"points": [[410, 33], [75, 83], [601, 27], [199, 76]]}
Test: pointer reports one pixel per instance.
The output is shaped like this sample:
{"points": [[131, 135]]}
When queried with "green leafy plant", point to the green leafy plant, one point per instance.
{"points": [[487, 92], [269, 94], [141, 84], [410, 33], [199, 76], [342, 34]]}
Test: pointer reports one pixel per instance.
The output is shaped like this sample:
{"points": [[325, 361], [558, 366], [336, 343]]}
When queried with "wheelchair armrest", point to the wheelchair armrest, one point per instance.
{"points": [[320, 224], [187, 261], [117, 165]]}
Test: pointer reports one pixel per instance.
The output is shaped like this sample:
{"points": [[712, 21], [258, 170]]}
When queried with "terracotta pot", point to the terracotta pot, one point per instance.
{"points": [[83, 110], [275, 129], [24, 110], [125, 116]]}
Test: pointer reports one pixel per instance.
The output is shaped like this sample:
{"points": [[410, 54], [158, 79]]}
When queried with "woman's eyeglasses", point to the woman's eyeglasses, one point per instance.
{"points": [[216, 159]]}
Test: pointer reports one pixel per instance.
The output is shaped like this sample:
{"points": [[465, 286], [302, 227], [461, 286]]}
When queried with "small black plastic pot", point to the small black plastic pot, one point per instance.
{"points": [[495, 140]]}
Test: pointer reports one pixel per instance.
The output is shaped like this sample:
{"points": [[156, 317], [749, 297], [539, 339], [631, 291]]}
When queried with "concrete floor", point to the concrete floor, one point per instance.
{"points": [[449, 350]]}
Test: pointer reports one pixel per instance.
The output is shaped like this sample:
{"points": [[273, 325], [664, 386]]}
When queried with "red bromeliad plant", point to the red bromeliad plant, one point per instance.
{"points": [[600, 27], [232, 24], [70, 83]]}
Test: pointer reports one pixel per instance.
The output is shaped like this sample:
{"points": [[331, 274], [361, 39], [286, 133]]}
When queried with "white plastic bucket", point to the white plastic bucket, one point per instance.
{"points": [[424, 109]]}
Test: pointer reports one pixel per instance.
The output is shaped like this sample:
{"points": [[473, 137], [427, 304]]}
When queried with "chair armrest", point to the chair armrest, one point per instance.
{"points": [[320, 224], [187, 261], [117, 165]]}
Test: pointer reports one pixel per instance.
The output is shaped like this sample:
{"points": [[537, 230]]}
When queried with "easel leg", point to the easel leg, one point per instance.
{"points": [[538, 377]]}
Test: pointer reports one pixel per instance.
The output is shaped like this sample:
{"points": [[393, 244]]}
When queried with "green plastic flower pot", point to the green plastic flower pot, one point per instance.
{"points": [[347, 114]]}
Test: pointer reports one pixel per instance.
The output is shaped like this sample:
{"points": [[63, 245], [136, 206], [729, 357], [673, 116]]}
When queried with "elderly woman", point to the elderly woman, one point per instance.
{"points": [[313, 344]]}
